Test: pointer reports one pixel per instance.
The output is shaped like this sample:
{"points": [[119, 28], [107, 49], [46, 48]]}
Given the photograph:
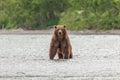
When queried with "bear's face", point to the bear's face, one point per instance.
{"points": [[60, 31]]}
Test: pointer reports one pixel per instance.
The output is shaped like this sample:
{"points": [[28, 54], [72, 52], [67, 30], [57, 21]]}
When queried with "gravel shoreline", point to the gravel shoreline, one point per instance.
{"points": [[26, 57], [80, 32]]}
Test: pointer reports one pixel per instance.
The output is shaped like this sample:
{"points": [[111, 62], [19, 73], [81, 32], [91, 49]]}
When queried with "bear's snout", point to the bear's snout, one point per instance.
{"points": [[59, 32]]}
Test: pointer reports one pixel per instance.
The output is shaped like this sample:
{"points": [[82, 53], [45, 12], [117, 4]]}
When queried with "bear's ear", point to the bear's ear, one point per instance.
{"points": [[55, 26], [64, 26]]}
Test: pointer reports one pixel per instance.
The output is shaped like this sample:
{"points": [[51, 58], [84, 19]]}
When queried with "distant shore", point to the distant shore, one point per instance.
{"points": [[79, 32]]}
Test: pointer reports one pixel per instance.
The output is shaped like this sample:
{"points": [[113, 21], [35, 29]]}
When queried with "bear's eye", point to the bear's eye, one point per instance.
{"points": [[63, 31]]}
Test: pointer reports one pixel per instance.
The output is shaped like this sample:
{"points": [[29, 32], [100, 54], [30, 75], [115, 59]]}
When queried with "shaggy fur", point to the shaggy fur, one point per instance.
{"points": [[60, 43]]}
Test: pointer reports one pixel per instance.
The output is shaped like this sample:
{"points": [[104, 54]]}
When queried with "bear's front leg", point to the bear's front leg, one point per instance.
{"points": [[64, 51], [52, 53], [66, 54], [60, 56]]}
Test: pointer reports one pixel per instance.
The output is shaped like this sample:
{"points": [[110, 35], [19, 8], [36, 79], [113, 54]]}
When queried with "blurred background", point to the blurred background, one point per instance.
{"points": [[76, 14]]}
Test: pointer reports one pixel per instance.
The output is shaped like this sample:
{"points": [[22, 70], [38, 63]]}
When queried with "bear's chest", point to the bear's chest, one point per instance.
{"points": [[60, 44]]}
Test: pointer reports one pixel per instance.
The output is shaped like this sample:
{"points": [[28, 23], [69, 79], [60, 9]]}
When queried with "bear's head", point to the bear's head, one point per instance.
{"points": [[60, 31]]}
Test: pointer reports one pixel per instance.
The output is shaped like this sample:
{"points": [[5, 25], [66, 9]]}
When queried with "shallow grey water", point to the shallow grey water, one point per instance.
{"points": [[25, 57]]}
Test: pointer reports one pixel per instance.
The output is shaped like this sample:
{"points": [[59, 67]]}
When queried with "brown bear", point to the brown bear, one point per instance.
{"points": [[60, 43]]}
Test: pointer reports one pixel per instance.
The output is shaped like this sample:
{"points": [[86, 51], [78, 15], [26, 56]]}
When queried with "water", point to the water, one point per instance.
{"points": [[25, 57]]}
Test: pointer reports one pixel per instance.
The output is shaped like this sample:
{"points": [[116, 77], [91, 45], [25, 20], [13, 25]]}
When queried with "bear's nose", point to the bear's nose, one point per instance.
{"points": [[60, 33]]}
